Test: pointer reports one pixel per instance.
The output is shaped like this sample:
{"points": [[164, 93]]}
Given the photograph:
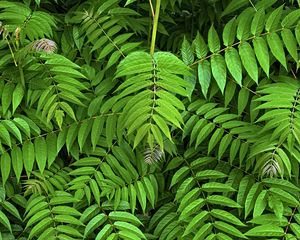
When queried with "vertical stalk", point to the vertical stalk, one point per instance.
{"points": [[154, 29], [11, 51], [21, 75]]}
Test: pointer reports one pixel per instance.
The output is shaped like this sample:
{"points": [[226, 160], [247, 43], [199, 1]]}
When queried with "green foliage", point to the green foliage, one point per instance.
{"points": [[100, 139]]}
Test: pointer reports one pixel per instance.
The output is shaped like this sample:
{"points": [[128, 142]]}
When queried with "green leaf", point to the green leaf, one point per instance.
{"points": [[104, 233], [11, 209], [96, 130], [83, 171], [260, 204], [171, 99], [157, 136], [128, 235], [265, 231], [229, 32], [204, 132], [150, 191], [129, 227], [225, 227], [4, 221], [179, 175], [113, 59], [187, 198], [217, 187], [219, 71], [133, 197], [141, 195], [125, 217], [168, 111], [251, 198], [71, 136], [22, 125], [229, 92], [197, 221], [290, 19], [290, 43], [68, 230], [193, 207], [63, 209], [141, 132], [49, 232], [213, 40], [234, 64], [296, 229], [138, 122], [200, 46], [187, 52], [270, 219], [17, 162], [83, 133], [94, 223], [39, 216], [284, 196], [204, 76], [162, 125], [56, 113], [265, 4], [67, 219], [40, 227], [52, 152], [4, 135], [215, 138], [64, 199], [207, 174], [110, 129], [204, 231], [6, 97], [281, 183], [226, 140], [285, 159], [223, 201], [17, 96], [233, 6], [276, 48], [66, 107], [11, 127], [28, 156], [262, 53], [276, 205], [40, 147], [95, 190], [258, 22], [243, 99], [5, 165], [274, 19], [243, 31], [226, 216], [248, 59]]}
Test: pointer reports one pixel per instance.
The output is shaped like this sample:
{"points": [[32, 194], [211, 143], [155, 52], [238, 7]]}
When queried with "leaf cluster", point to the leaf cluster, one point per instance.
{"points": [[100, 139]]}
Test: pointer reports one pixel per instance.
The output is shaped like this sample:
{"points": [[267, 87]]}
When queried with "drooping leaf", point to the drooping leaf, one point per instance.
{"points": [[204, 76], [219, 71], [40, 150], [276, 48], [249, 61]]}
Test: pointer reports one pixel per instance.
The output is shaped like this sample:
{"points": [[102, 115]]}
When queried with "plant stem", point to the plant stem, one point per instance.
{"points": [[11, 51], [155, 23], [152, 10], [22, 76]]}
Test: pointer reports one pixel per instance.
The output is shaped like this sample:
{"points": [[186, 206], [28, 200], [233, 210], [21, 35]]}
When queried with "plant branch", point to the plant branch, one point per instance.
{"points": [[155, 24], [152, 9]]}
